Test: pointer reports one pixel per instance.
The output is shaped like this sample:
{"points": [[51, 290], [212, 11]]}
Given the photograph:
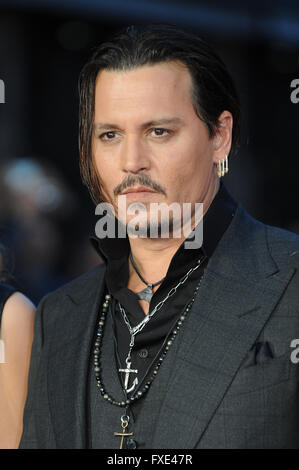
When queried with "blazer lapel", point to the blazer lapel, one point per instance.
{"points": [[69, 360], [238, 293]]}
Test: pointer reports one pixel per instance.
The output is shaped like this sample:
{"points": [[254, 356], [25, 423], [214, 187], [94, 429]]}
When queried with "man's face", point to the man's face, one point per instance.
{"points": [[147, 134]]}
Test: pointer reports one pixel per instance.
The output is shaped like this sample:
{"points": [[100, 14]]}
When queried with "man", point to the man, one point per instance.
{"points": [[164, 345]]}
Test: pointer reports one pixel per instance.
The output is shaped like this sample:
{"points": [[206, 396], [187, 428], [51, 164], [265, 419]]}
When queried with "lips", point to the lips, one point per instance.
{"points": [[139, 189]]}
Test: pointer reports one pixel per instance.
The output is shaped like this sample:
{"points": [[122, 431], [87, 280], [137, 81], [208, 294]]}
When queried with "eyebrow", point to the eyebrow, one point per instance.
{"points": [[157, 122]]}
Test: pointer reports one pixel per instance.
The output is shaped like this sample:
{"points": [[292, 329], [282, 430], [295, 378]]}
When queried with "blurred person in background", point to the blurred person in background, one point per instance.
{"points": [[16, 335], [37, 214]]}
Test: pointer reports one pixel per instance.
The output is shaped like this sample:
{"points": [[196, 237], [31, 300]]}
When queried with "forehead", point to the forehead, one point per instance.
{"points": [[150, 88]]}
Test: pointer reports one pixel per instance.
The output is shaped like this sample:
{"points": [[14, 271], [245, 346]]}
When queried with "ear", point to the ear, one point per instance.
{"points": [[222, 139]]}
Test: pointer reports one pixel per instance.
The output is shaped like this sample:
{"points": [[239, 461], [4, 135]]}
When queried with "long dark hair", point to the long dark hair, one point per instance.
{"points": [[213, 90]]}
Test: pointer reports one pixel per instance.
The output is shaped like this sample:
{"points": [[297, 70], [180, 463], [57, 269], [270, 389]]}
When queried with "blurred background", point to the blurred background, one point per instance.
{"points": [[46, 215]]}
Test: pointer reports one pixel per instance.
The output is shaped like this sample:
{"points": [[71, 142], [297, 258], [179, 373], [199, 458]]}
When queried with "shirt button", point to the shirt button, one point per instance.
{"points": [[143, 353]]}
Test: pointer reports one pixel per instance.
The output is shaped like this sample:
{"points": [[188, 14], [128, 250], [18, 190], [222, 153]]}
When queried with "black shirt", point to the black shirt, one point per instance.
{"points": [[149, 341]]}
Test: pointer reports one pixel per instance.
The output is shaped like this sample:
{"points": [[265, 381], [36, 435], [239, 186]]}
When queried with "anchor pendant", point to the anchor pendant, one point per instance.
{"points": [[135, 382], [127, 372]]}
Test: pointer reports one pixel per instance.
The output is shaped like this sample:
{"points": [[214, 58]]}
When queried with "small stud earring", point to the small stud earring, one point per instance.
{"points": [[222, 167]]}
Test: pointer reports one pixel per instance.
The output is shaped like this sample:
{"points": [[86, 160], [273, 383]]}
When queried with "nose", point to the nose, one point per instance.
{"points": [[134, 156]]}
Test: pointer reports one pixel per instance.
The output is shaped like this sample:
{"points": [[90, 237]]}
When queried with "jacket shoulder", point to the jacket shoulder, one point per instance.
{"points": [[88, 277], [261, 247], [83, 283], [283, 245]]}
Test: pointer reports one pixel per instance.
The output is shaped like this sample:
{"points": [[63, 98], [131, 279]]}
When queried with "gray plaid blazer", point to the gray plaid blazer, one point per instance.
{"points": [[231, 381]]}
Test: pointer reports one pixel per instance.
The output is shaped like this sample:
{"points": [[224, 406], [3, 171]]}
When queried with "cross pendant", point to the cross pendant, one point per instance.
{"points": [[123, 434], [129, 371]]}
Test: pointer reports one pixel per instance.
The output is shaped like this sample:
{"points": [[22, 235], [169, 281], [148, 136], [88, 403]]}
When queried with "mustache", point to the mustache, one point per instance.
{"points": [[142, 180]]}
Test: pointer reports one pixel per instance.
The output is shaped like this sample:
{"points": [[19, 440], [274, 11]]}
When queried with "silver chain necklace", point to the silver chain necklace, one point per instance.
{"points": [[136, 329]]}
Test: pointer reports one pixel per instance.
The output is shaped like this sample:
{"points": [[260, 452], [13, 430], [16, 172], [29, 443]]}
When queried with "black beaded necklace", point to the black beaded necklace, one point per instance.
{"points": [[140, 393]]}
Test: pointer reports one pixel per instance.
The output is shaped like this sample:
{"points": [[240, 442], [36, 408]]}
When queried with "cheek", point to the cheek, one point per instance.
{"points": [[106, 174], [187, 173], [104, 161], [185, 164]]}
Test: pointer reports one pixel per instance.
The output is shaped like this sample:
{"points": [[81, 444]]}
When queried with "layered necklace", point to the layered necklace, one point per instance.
{"points": [[133, 331]]}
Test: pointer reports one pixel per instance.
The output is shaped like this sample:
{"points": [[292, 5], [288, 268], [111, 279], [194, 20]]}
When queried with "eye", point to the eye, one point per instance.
{"points": [[160, 132], [108, 135]]}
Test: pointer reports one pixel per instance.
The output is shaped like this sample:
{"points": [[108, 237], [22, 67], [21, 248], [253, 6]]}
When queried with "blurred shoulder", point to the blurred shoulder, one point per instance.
{"points": [[18, 312]]}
